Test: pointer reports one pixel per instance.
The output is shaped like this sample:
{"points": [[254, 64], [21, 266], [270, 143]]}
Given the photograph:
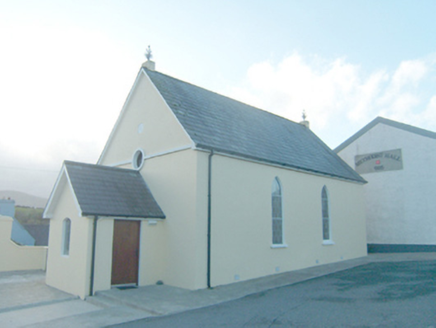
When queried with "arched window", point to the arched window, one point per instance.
{"points": [[277, 213], [66, 232], [325, 214]]}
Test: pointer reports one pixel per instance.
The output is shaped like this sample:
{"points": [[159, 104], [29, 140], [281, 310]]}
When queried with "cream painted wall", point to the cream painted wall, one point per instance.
{"points": [[400, 205], [202, 217], [69, 273], [103, 254], [173, 249], [151, 259], [153, 253], [15, 257], [164, 253], [161, 131], [169, 248], [242, 227]]}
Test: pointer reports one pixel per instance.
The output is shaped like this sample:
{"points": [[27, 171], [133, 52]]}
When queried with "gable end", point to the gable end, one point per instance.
{"points": [[382, 120]]}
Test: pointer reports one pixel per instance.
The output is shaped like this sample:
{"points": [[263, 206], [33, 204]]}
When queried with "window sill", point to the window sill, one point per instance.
{"points": [[279, 246], [328, 242]]}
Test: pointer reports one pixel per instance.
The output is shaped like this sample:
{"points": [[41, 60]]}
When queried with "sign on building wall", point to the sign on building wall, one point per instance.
{"points": [[388, 160]]}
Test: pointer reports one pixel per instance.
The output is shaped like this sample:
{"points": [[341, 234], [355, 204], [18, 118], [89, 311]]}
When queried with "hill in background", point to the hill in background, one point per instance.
{"points": [[23, 199]]}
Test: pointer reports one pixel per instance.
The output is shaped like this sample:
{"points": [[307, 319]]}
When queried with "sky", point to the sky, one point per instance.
{"points": [[66, 68]]}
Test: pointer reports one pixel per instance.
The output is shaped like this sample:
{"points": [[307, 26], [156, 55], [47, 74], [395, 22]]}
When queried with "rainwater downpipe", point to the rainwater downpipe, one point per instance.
{"points": [[94, 237], [209, 217]]}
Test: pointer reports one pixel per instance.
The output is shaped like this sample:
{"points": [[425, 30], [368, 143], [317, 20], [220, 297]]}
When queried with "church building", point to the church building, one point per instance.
{"points": [[195, 190]]}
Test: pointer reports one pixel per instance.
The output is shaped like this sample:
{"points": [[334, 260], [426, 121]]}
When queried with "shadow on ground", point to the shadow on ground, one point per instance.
{"points": [[397, 280]]}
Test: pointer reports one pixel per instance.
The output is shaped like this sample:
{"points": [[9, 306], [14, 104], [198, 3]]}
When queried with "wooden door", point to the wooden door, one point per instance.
{"points": [[125, 252]]}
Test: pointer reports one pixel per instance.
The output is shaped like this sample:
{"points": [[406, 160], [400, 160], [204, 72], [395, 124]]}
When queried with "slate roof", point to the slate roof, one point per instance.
{"points": [[382, 120], [220, 123], [39, 232], [113, 192]]}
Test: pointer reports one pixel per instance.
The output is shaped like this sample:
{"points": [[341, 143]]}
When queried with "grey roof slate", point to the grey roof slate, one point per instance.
{"points": [[220, 123], [114, 192], [382, 120], [39, 232]]}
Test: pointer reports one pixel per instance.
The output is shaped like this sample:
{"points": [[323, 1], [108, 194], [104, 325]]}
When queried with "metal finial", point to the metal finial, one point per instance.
{"points": [[148, 53], [304, 115]]}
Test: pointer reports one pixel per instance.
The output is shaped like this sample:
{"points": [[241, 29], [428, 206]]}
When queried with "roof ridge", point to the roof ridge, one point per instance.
{"points": [[99, 166]]}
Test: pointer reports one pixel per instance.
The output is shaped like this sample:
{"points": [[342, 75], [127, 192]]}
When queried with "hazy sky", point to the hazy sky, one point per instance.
{"points": [[66, 68]]}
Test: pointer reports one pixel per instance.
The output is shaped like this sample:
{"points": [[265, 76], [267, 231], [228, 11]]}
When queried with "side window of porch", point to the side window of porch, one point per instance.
{"points": [[326, 231], [277, 213], [66, 232]]}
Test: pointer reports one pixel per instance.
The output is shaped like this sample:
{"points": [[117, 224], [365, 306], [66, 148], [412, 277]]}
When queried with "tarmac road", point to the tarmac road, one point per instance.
{"points": [[386, 294]]}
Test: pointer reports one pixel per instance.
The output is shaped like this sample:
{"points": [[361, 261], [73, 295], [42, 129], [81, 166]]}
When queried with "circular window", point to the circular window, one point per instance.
{"points": [[138, 159]]}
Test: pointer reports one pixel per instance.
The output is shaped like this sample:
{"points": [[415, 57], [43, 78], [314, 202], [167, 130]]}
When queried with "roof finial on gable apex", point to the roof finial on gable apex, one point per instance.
{"points": [[149, 64], [304, 122], [148, 53]]}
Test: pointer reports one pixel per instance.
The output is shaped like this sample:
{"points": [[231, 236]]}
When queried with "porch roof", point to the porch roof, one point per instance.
{"points": [[111, 192]]}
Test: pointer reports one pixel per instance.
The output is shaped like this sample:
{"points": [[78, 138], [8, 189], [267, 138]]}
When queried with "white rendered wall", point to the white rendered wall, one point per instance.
{"points": [[400, 205]]}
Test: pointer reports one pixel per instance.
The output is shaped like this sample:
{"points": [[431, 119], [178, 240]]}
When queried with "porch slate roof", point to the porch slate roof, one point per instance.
{"points": [[220, 123], [113, 192]]}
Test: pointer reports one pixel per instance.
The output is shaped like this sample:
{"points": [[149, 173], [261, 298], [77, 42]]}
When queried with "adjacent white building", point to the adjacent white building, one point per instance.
{"points": [[398, 162]]}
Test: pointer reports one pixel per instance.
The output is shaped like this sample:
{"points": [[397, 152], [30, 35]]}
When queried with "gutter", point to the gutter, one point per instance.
{"points": [[209, 216], [94, 237], [258, 160]]}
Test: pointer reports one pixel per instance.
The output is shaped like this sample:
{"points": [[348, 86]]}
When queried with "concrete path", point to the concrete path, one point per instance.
{"points": [[25, 300]]}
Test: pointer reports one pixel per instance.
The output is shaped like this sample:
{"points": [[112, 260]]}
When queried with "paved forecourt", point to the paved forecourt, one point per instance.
{"points": [[27, 301]]}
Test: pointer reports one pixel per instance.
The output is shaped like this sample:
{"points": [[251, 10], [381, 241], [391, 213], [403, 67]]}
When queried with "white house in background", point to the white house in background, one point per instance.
{"points": [[194, 189], [398, 161]]}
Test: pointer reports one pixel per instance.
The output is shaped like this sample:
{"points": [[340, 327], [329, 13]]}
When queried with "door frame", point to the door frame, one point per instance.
{"points": [[138, 257]]}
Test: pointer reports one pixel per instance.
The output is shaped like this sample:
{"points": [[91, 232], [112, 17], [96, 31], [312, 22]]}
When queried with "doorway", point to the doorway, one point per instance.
{"points": [[125, 252]]}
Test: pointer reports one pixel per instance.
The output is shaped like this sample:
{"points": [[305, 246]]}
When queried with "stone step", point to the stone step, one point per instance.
{"points": [[106, 297], [102, 301]]}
